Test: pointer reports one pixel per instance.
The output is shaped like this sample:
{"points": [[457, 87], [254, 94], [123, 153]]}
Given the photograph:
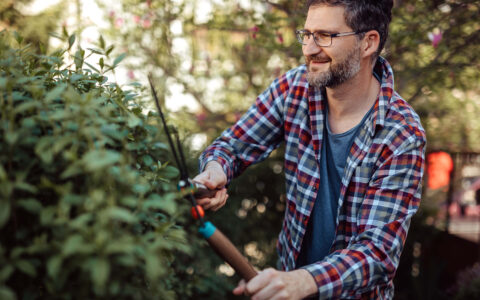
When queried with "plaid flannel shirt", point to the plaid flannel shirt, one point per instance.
{"points": [[381, 183]]}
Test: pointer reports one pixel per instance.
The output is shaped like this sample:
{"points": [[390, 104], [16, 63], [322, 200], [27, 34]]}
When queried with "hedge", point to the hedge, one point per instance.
{"points": [[88, 206]]}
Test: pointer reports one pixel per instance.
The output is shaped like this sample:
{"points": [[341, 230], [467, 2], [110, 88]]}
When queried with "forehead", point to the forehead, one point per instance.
{"points": [[327, 18]]}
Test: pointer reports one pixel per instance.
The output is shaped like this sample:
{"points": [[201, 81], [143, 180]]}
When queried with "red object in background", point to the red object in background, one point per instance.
{"points": [[440, 165]]}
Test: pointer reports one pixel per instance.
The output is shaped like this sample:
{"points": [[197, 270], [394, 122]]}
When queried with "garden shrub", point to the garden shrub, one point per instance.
{"points": [[87, 205]]}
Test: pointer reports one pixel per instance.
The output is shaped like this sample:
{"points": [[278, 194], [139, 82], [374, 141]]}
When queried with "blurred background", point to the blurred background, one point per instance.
{"points": [[211, 58]]}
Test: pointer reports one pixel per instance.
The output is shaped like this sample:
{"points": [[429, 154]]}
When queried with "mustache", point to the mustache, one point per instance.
{"points": [[317, 58]]}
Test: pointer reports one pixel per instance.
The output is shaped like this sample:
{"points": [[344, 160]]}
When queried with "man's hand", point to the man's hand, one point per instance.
{"points": [[273, 284], [213, 177]]}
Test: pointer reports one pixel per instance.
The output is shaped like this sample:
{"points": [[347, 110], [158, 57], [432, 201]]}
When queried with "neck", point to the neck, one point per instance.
{"points": [[350, 101]]}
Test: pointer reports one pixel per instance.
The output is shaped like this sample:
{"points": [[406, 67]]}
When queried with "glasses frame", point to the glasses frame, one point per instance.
{"points": [[298, 33]]}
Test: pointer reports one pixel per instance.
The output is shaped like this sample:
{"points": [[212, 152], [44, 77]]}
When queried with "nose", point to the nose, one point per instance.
{"points": [[310, 48]]}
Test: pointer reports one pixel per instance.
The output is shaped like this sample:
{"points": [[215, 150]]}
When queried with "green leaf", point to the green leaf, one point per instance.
{"points": [[3, 83], [79, 58], [75, 77], [169, 172], [26, 106], [92, 67], [96, 51], [3, 173], [18, 38], [6, 293], [124, 245], [55, 93], [72, 244], [26, 267], [100, 272], [5, 273], [62, 142], [101, 63], [4, 211], [30, 205], [71, 40], [72, 170], [47, 215], [129, 201], [73, 199], [148, 160], [43, 49], [81, 221], [64, 32], [12, 137], [17, 252], [166, 203], [101, 42], [26, 187], [109, 50], [54, 264], [154, 266], [133, 121], [99, 159], [141, 188], [119, 59], [42, 149], [120, 214]]}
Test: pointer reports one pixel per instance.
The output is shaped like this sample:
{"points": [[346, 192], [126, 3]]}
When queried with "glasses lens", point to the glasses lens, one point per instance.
{"points": [[302, 37], [322, 39]]}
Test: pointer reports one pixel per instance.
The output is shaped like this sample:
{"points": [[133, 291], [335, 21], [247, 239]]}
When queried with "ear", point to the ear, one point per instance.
{"points": [[371, 42]]}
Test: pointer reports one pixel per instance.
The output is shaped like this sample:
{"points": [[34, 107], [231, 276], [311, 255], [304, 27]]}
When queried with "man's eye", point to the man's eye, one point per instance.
{"points": [[321, 35]]}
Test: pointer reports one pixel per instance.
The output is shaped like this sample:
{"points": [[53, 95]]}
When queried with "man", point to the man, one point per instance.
{"points": [[354, 159]]}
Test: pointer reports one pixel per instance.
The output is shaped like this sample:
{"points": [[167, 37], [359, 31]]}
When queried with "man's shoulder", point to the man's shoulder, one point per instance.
{"points": [[402, 117]]}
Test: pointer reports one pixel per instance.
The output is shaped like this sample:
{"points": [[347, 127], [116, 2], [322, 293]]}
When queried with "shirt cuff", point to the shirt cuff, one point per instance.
{"points": [[327, 278]]}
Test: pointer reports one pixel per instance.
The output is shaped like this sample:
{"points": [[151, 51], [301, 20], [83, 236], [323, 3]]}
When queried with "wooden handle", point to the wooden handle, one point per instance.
{"points": [[228, 252]]}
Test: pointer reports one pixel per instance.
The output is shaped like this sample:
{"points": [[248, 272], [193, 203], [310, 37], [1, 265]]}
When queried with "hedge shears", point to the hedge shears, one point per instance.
{"points": [[192, 190]]}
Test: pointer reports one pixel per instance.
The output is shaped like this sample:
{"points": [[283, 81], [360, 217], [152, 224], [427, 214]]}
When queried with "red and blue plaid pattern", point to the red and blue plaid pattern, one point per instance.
{"points": [[381, 184]]}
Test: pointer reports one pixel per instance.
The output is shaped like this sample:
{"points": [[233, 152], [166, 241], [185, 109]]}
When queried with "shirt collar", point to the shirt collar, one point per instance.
{"points": [[385, 72]]}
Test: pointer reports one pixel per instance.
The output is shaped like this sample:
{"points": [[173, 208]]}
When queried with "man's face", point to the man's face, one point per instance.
{"points": [[334, 65]]}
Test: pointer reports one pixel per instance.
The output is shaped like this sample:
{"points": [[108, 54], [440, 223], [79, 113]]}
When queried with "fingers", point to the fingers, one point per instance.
{"points": [[216, 202], [240, 289], [260, 281], [213, 177], [207, 178], [220, 205]]}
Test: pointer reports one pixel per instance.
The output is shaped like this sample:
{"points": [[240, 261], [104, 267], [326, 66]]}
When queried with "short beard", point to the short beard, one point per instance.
{"points": [[337, 73]]}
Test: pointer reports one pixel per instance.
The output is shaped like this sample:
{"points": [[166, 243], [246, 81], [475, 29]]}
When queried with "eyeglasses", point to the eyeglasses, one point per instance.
{"points": [[321, 39]]}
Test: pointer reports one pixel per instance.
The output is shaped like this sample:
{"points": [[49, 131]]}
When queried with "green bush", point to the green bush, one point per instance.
{"points": [[87, 208]]}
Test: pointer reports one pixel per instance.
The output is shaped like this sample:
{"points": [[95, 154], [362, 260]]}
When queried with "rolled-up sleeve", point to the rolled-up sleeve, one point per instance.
{"points": [[258, 132]]}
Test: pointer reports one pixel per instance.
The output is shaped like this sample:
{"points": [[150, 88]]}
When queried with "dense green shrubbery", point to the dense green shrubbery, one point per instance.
{"points": [[86, 206]]}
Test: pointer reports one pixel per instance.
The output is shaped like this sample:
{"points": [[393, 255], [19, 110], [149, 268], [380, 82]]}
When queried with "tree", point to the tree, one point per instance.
{"points": [[35, 29]]}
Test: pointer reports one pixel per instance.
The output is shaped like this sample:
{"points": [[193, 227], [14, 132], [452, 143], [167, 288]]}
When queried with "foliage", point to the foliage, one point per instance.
{"points": [[87, 206], [435, 51]]}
